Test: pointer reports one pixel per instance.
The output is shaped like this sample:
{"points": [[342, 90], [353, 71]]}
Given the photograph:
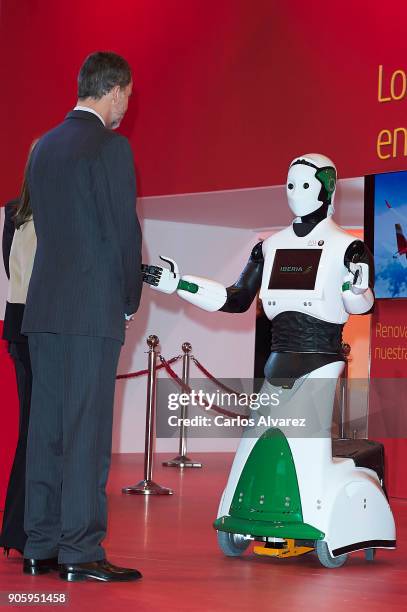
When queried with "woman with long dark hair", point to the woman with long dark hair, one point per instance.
{"points": [[19, 245]]}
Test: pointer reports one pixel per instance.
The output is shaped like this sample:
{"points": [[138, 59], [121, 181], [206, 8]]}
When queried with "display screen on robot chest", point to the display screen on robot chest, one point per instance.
{"points": [[295, 269]]}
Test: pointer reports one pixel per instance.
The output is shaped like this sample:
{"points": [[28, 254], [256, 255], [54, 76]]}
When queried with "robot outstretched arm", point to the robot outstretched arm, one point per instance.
{"points": [[357, 295], [205, 293]]}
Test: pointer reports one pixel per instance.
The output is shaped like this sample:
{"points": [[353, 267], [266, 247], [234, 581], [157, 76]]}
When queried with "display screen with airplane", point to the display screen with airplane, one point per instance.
{"points": [[386, 231]]}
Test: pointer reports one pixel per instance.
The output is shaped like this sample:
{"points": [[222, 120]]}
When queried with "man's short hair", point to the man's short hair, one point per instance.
{"points": [[100, 72]]}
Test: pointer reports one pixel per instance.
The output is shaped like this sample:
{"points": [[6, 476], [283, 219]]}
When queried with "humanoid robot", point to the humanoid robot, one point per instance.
{"points": [[285, 490]]}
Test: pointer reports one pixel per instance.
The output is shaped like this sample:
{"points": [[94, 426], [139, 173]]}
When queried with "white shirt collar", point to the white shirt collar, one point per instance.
{"points": [[89, 110]]}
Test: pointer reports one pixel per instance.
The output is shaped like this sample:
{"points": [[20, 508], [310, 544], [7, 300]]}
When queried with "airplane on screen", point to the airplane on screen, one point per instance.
{"points": [[400, 238], [401, 242]]}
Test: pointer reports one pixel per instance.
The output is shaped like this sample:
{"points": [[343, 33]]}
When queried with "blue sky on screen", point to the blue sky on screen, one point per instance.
{"points": [[390, 272]]}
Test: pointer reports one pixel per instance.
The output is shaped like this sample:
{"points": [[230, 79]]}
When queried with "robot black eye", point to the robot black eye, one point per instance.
{"points": [[290, 186], [306, 185]]}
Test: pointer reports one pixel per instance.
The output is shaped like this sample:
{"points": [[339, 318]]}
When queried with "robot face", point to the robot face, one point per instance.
{"points": [[311, 182], [303, 190]]}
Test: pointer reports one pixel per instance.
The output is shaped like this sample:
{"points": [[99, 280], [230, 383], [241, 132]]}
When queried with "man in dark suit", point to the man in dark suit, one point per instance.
{"points": [[86, 279]]}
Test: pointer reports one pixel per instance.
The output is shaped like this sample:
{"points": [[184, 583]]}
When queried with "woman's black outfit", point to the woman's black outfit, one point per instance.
{"points": [[12, 534]]}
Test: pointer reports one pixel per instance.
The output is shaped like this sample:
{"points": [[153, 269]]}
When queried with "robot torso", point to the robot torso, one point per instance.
{"points": [[305, 274]]}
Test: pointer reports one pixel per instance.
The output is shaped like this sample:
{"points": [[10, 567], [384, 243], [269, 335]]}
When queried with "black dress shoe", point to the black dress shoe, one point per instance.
{"points": [[34, 567], [97, 570]]}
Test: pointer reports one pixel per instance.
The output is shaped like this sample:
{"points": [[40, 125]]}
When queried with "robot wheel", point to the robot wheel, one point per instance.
{"points": [[232, 544], [370, 554], [325, 557]]}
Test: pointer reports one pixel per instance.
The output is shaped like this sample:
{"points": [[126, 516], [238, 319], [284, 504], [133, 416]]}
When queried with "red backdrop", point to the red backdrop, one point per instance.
{"points": [[387, 397], [226, 91], [8, 417]]}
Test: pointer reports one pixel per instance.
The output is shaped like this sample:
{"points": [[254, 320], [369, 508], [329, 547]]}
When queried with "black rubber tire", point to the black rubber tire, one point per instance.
{"points": [[325, 557], [232, 544]]}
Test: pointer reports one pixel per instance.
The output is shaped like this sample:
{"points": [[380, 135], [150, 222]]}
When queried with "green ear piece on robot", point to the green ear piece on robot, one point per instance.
{"points": [[327, 176]]}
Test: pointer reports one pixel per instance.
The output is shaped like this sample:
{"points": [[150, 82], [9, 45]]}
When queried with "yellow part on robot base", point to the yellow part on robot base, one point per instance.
{"points": [[290, 550]]}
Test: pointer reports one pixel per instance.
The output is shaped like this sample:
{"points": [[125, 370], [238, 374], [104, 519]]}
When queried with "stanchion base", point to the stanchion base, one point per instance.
{"points": [[182, 461], [147, 487]]}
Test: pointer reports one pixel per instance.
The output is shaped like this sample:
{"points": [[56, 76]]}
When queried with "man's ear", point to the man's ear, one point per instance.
{"points": [[114, 93]]}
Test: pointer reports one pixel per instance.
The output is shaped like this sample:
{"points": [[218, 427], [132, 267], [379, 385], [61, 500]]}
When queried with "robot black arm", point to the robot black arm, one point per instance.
{"points": [[242, 293], [357, 252], [205, 293]]}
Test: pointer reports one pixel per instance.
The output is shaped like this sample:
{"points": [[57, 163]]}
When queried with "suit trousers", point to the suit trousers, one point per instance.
{"points": [[13, 535], [69, 445]]}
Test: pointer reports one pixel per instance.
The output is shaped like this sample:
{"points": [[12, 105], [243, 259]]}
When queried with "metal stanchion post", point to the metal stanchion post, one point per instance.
{"points": [[148, 486], [344, 391], [182, 460]]}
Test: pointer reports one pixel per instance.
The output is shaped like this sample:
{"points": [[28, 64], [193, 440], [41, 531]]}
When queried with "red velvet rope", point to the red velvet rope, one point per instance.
{"points": [[187, 389], [215, 380], [143, 372]]}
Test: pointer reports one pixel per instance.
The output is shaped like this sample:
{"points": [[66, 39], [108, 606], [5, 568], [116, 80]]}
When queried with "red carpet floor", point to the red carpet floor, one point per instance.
{"points": [[171, 540]]}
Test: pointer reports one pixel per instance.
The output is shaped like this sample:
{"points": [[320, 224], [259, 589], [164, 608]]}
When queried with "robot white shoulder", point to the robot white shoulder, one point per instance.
{"points": [[342, 234], [286, 231]]}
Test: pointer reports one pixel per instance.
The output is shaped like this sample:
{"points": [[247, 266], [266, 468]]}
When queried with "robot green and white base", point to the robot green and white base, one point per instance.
{"points": [[285, 491]]}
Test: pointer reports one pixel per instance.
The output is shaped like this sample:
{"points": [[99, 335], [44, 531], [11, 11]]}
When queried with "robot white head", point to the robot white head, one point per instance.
{"points": [[311, 184]]}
